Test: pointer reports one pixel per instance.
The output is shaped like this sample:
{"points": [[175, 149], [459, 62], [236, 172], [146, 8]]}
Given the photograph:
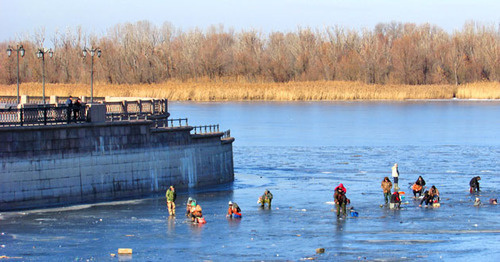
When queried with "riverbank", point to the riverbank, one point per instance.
{"points": [[234, 90]]}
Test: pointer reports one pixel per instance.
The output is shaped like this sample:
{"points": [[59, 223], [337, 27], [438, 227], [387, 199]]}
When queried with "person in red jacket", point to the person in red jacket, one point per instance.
{"points": [[340, 200], [395, 200]]}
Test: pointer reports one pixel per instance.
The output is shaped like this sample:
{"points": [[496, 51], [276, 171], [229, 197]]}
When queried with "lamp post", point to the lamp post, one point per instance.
{"points": [[20, 51], [93, 52], [41, 54]]}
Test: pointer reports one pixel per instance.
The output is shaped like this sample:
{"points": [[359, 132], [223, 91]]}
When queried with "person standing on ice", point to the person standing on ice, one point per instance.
{"points": [[340, 200], [386, 187], [395, 176], [171, 196]]}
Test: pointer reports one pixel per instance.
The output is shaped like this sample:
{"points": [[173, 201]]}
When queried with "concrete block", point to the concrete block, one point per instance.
{"points": [[81, 133], [72, 133], [97, 113], [62, 134], [7, 196]]}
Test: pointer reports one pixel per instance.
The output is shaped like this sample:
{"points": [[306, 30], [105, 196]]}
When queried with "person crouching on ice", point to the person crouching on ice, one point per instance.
{"points": [[340, 201], [188, 206], [434, 194], [196, 213], [171, 196], [418, 187], [395, 200], [233, 210], [474, 184], [266, 198]]}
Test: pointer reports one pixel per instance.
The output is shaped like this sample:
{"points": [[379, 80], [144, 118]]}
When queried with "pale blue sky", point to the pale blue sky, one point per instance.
{"points": [[22, 18]]}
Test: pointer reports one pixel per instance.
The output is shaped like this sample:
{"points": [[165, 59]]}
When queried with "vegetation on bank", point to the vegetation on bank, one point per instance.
{"points": [[389, 54], [234, 90]]}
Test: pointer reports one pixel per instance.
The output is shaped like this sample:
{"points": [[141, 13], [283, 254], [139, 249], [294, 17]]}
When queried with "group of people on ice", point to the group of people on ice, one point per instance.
{"points": [[194, 210], [392, 199], [427, 197]]}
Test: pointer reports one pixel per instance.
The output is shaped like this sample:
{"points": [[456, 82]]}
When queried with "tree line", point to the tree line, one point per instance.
{"points": [[143, 53]]}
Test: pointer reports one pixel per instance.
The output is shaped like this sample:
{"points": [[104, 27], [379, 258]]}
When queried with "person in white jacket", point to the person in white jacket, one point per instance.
{"points": [[395, 175]]}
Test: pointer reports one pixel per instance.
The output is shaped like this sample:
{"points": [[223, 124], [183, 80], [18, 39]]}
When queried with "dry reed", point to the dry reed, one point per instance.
{"points": [[234, 90]]}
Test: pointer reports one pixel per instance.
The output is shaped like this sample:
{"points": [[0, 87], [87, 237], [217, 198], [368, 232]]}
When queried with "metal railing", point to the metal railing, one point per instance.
{"points": [[39, 100], [205, 129], [134, 110], [43, 115], [227, 134], [164, 122]]}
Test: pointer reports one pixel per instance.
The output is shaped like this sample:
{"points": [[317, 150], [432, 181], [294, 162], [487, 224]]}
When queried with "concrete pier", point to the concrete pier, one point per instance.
{"points": [[43, 166]]}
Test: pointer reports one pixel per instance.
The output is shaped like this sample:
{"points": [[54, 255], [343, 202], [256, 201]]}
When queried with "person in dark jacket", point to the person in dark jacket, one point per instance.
{"points": [[340, 201], [69, 106], [474, 184], [430, 197], [426, 199], [395, 200], [418, 187], [76, 109]]}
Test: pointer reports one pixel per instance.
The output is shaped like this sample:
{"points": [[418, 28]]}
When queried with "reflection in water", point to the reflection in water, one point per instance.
{"points": [[171, 225], [234, 223]]}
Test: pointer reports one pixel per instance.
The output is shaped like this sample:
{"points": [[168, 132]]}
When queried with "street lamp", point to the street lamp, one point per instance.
{"points": [[41, 54], [20, 51], [92, 52]]}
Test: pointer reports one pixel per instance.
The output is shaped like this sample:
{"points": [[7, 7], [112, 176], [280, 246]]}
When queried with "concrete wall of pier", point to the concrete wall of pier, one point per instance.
{"points": [[46, 166]]}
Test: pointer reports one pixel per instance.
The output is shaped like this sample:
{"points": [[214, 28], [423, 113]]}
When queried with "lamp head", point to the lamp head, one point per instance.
{"points": [[9, 51], [21, 50]]}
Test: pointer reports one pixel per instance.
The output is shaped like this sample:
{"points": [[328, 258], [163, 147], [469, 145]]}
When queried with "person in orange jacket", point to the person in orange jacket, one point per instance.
{"points": [[196, 213], [233, 210]]}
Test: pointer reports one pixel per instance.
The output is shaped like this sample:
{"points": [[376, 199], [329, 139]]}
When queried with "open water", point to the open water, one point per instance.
{"points": [[300, 152]]}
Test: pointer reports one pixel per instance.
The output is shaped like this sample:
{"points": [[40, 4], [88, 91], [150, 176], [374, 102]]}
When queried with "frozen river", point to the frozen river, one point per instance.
{"points": [[300, 152]]}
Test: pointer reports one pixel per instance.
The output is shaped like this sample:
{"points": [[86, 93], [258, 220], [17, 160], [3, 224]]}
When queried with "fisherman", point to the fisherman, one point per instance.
{"points": [[266, 198], [425, 199], [418, 187], [340, 200], [477, 202], [493, 201], [233, 210], [196, 213], [431, 196], [434, 194], [395, 176], [395, 200], [171, 196], [474, 184], [386, 187], [188, 206]]}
